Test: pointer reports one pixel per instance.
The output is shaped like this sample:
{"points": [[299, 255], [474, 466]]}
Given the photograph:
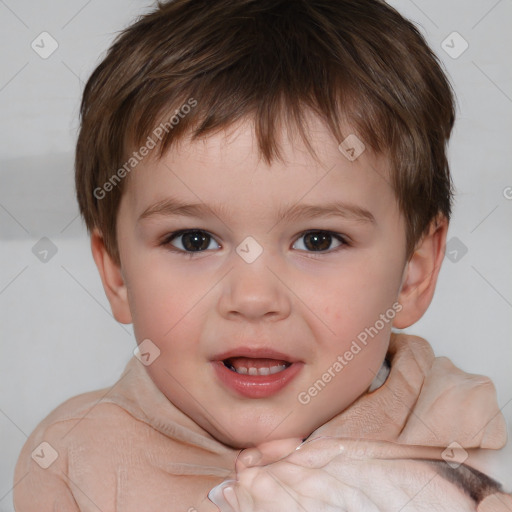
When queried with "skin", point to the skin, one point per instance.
{"points": [[293, 298], [327, 475]]}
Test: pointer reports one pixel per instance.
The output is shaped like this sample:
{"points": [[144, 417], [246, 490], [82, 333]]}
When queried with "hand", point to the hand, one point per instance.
{"points": [[335, 475]]}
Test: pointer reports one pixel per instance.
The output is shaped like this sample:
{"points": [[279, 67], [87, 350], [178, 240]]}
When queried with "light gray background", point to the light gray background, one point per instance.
{"points": [[58, 337]]}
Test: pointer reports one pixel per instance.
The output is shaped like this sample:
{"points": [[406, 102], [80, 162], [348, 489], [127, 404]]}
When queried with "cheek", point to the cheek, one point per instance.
{"points": [[163, 302], [358, 296], [359, 308]]}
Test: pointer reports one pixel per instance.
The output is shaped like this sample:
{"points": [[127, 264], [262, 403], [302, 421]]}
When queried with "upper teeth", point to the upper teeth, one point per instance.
{"points": [[259, 371]]}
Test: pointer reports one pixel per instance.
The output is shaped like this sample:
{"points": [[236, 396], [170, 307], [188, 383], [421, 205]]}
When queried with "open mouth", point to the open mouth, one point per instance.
{"points": [[255, 366], [251, 373]]}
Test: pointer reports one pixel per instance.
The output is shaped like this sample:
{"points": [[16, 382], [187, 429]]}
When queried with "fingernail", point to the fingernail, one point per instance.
{"points": [[218, 497], [230, 496], [251, 458]]}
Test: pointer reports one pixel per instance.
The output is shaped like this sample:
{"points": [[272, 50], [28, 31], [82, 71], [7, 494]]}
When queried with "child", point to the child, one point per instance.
{"points": [[300, 144]]}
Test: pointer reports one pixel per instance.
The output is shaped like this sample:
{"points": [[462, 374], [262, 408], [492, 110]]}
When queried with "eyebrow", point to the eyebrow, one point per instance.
{"points": [[173, 207]]}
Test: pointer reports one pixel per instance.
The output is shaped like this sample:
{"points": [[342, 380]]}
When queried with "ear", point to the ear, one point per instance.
{"points": [[420, 274], [112, 279]]}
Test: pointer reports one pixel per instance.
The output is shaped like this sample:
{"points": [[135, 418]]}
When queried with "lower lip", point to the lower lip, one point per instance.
{"points": [[256, 386]]}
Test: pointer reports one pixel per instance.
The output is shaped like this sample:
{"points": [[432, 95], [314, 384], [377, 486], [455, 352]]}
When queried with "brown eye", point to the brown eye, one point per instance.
{"points": [[319, 241], [191, 241]]}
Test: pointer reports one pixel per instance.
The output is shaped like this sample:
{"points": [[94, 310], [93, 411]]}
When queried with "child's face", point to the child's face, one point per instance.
{"points": [[291, 303]]}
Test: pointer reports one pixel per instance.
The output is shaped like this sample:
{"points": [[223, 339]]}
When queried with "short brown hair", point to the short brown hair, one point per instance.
{"points": [[353, 61]]}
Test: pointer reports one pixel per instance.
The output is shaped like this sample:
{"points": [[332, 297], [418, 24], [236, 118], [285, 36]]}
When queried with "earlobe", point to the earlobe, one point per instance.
{"points": [[112, 279], [420, 275]]}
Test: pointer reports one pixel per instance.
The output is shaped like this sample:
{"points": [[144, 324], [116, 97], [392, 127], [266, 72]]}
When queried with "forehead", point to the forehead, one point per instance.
{"points": [[227, 168]]}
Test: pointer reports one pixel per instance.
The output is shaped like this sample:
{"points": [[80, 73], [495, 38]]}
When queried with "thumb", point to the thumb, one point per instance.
{"points": [[267, 453]]}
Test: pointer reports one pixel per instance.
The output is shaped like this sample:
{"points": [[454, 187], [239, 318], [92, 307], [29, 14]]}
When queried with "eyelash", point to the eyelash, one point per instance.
{"points": [[166, 242]]}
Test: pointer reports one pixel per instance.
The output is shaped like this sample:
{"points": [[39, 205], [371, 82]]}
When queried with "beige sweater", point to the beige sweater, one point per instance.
{"points": [[128, 449]]}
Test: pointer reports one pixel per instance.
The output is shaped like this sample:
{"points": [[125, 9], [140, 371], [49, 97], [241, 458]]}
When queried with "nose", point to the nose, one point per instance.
{"points": [[254, 291]]}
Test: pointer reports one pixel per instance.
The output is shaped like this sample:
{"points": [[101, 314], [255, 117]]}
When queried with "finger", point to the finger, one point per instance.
{"points": [[322, 450], [223, 496], [300, 489], [322, 487], [377, 486], [266, 453]]}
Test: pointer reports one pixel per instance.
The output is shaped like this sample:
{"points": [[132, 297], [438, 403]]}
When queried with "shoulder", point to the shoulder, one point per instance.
{"points": [[90, 406], [78, 415], [67, 434]]}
